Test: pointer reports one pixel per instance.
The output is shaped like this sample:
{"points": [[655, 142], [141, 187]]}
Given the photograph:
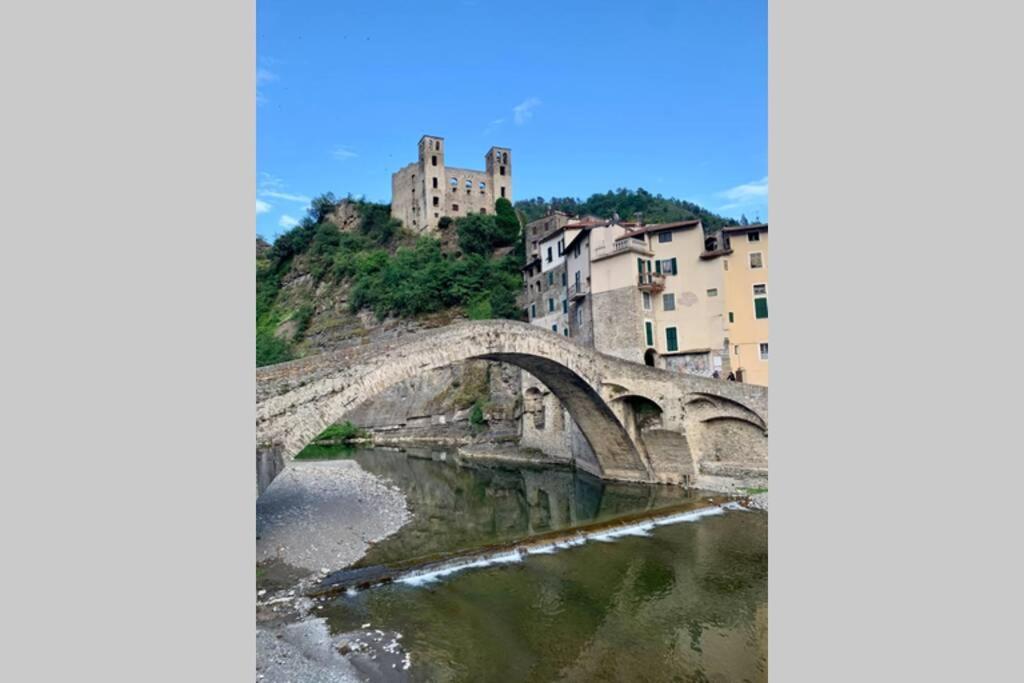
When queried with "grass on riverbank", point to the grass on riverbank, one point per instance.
{"points": [[333, 443]]}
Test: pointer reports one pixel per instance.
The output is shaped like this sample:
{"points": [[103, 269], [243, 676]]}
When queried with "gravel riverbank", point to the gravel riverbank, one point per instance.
{"points": [[315, 517]]}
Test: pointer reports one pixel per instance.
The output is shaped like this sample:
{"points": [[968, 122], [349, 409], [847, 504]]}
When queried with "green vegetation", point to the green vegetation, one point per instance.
{"points": [[386, 269], [346, 431], [476, 416], [626, 203], [754, 491], [332, 443]]}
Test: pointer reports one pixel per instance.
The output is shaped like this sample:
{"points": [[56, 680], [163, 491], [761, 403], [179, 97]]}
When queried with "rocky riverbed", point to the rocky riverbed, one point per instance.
{"points": [[298, 541]]}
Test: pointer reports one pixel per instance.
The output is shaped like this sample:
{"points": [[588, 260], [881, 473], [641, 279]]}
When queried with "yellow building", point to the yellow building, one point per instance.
{"points": [[744, 259]]}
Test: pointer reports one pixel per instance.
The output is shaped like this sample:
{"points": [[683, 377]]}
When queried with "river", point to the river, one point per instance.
{"points": [[679, 602]]}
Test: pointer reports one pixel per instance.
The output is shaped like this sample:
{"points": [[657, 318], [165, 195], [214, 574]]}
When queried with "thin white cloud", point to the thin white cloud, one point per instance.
{"points": [[287, 221], [746, 192], [262, 207], [493, 125], [300, 198], [265, 76], [341, 153], [523, 111]]}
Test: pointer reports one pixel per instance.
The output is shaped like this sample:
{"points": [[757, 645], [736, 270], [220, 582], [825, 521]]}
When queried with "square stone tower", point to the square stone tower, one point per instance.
{"points": [[427, 190]]}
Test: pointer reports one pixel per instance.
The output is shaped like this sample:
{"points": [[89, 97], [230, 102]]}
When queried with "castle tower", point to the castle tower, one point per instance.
{"points": [[431, 187], [499, 168]]}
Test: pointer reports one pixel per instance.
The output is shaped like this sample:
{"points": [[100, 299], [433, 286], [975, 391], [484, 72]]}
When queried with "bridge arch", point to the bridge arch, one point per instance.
{"points": [[298, 410]]}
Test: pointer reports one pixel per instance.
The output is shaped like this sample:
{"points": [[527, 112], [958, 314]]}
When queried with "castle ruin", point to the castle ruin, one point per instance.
{"points": [[426, 190]]}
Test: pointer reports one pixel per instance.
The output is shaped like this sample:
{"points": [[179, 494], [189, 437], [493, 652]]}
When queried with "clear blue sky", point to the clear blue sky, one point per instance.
{"points": [[666, 95]]}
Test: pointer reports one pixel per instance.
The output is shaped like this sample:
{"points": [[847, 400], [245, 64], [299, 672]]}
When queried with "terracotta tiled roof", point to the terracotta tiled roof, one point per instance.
{"points": [[745, 228], [658, 227]]}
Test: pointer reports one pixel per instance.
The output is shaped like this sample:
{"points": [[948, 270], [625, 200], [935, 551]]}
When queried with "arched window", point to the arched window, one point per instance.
{"points": [[454, 181]]}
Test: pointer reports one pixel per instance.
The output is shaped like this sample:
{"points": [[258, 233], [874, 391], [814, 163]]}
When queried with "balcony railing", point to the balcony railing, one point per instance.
{"points": [[578, 291], [630, 244], [651, 282]]}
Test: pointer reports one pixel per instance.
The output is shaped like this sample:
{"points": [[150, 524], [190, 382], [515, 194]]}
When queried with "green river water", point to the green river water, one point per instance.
{"points": [[688, 602]]}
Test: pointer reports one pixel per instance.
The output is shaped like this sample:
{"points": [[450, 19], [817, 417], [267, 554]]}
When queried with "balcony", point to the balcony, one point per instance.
{"points": [[578, 291], [635, 244], [651, 282]]}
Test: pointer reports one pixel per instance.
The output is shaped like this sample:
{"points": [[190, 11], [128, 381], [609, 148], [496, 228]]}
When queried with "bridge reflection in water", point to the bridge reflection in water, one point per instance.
{"points": [[459, 507], [687, 603]]}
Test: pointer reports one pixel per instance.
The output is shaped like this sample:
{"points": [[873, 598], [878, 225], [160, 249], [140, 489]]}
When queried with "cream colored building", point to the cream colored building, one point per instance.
{"points": [[645, 294], [744, 260]]}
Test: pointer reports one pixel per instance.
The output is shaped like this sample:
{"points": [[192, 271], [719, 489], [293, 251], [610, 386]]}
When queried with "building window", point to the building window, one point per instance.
{"points": [[437, 145], [754, 237], [665, 236], [579, 315], [725, 264], [649, 332], [483, 185], [667, 266], [577, 280], [712, 292], [455, 207], [671, 339], [502, 190], [433, 160], [668, 302], [736, 350], [437, 201], [561, 247], [760, 302], [435, 182], [647, 300], [549, 254], [533, 311], [764, 350], [755, 260], [551, 278], [565, 305], [469, 184], [551, 305], [565, 331], [554, 328], [565, 279], [731, 319], [501, 170], [454, 181]]}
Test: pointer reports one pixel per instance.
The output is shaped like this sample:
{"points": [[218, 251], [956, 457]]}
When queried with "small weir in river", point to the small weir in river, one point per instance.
{"points": [[532, 574]]}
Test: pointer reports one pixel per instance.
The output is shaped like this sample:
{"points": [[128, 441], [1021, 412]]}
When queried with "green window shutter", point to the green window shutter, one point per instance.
{"points": [[761, 308], [649, 329], [640, 266], [731, 318], [657, 266], [675, 270], [672, 341]]}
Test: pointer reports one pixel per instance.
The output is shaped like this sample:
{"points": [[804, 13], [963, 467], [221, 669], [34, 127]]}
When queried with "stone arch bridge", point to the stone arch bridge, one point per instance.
{"points": [[642, 423]]}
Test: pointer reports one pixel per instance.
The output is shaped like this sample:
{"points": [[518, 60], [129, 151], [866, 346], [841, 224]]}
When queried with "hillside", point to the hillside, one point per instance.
{"points": [[655, 208], [348, 269]]}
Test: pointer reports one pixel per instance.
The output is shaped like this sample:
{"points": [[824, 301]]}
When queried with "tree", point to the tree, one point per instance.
{"points": [[321, 206], [743, 219]]}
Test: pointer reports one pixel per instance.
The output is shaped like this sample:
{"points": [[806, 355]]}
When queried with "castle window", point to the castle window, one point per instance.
{"points": [[436, 201], [469, 184], [504, 158], [433, 160], [454, 181], [501, 170], [435, 183], [483, 185], [483, 210], [455, 207], [437, 145], [503, 191]]}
